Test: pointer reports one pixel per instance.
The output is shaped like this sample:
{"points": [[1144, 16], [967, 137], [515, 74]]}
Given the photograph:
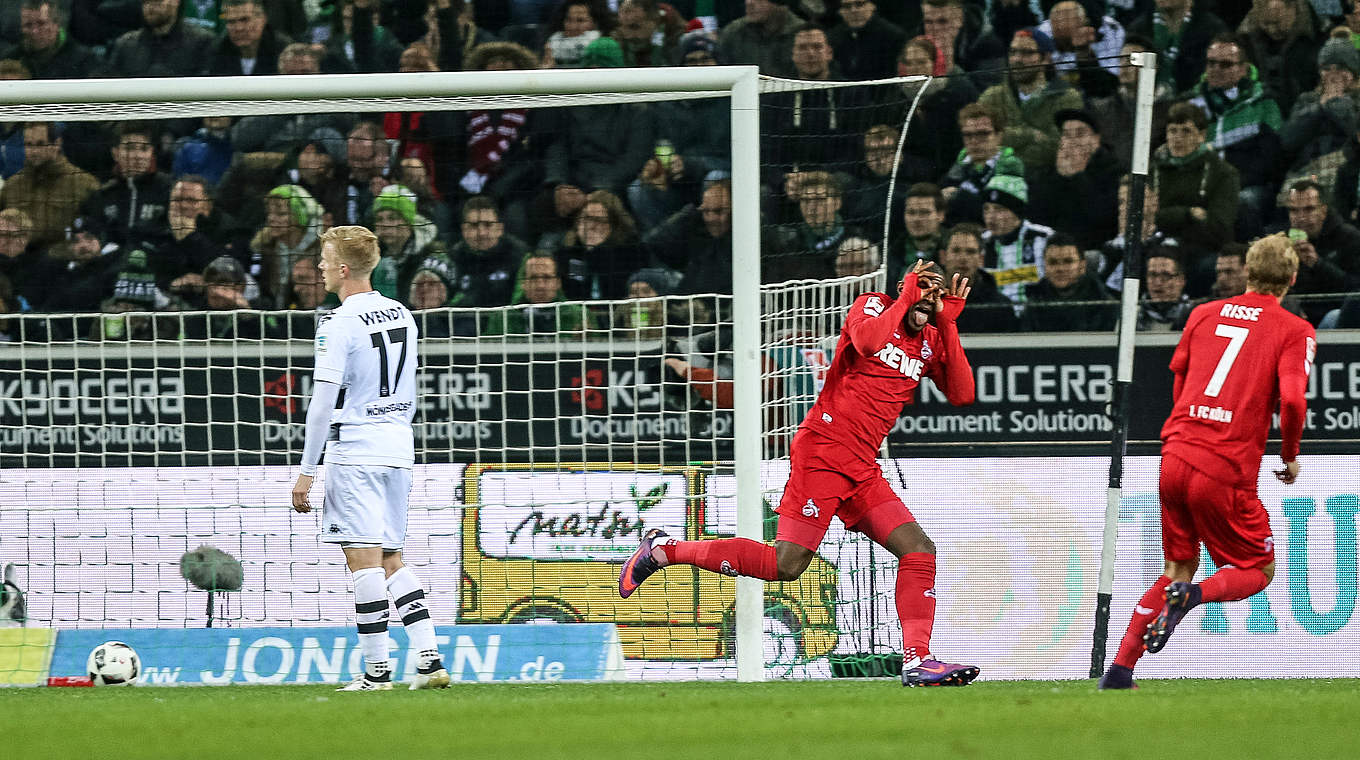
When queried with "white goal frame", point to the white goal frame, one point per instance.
{"points": [[87, 100]]}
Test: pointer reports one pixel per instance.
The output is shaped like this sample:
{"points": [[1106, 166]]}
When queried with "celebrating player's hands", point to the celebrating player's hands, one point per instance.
{"points": [[915, 283], [952, 298], [301, 502], [1289, 473]]}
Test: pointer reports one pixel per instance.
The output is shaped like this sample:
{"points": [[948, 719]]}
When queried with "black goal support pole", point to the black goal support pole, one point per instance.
{"points": [[1128, 323]]}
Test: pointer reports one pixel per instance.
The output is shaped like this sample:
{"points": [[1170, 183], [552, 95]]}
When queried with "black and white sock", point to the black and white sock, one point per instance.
{"points": [[405, 589], [370, 612]]}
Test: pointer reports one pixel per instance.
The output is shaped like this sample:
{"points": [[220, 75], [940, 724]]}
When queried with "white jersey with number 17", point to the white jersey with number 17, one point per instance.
{"points": [[367, 346]]}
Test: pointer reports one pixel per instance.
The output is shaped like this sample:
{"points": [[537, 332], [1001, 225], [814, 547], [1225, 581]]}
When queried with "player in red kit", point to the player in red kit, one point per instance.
{"points": [[1236, 359], [886, 346]]}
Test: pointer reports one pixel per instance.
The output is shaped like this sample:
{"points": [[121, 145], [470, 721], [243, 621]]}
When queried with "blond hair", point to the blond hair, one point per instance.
{"points": [[1272, 264], [19, 219], [355, 247]]}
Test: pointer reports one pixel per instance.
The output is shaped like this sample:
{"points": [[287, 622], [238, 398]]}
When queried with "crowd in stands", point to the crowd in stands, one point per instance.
{"points": [[1014, 169]]}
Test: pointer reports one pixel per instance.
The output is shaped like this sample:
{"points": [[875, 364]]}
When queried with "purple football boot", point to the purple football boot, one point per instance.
{"points": [[641, 565], [932, 672], [1181, 597]]}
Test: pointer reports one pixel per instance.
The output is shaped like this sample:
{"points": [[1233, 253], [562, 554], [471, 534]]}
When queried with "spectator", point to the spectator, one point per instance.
{"points": [[1230, 271], [1180, 31], [224, 288], [1113, 252], [693, 146], [486, 259], [639, 24], [644, 313], [1116, 112], [21, 261], [989, 311], [1325, 118], [1013, 247], [865, 44], [134, 290], [1085, 55], [451, 32], [293, 223], [866, 193], [933, 139], [807, 248], [307, 298], [601, 250], [406, 238], [208, 153], [85, 265], [810, 129], [1029, 99], [1067, 298], [131, 206], [539, 306], [45, 48], [197, 236], [98, 23], [165, 46], [431, 286], [49, 189], [981, 159], [573, 26], [491, 148], [857, 257], [698, 242], [1329, 258], [412, 173], [286, 133], [1243, 127], [764, 37], [1197, 193], [357, 43], [924, 220], [599, 147], [12, 132], [1164, 306], [1282, 37], [961, 34], [1078, 192], [368, 159], [249, 45]]}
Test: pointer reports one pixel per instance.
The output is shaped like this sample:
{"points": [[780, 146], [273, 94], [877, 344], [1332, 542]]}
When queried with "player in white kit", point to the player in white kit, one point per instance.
{"points": [[363, 400]]}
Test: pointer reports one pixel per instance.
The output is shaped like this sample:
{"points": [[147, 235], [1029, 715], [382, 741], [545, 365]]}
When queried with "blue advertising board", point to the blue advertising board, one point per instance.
{"points": [[220, 656]]}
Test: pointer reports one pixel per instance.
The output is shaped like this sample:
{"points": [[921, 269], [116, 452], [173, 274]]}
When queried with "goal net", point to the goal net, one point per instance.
{"points": [[565, 240]]}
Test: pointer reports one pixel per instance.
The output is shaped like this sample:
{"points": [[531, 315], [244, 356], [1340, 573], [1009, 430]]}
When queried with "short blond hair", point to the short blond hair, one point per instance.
{"points": [[1272, 264], [355, 247], [19, 219]]}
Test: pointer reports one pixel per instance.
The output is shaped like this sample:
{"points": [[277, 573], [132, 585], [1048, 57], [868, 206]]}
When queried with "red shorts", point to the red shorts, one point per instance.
{"points": [[818, 489], [1231, 522]]}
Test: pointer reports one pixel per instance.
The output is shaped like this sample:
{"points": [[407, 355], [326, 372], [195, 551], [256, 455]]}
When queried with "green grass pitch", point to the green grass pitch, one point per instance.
{"points": [[827, 720]]}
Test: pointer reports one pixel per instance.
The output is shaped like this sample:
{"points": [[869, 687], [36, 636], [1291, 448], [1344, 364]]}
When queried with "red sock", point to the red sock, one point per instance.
{"points": [[1232, 583], [916, 602], [729, 556], [1131, 647]]}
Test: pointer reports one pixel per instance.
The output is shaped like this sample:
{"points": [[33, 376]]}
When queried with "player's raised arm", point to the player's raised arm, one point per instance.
{"points": [[871, 322], [957, 379], [1295, 364]]}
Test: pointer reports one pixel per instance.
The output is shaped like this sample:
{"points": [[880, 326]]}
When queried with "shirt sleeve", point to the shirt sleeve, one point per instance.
{"points": [[874, 316], [1295, 364], [324, 394], [951, 372], [330, 353]]}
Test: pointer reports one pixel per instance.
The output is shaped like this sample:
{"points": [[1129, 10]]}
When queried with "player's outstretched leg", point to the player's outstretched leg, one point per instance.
{"points": [[409, 595], [1181, 597], [370, 612], [728, 556]]}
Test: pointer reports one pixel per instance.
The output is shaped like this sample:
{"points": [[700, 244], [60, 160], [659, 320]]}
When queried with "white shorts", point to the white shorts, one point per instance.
{"points": [[365, 504]]}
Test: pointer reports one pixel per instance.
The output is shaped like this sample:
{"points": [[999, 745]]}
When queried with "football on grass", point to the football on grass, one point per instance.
{"points": [[113, 663]]}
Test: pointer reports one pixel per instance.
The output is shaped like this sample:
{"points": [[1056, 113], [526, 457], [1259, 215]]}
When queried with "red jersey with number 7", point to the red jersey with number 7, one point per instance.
{"points": [[1237, 359]]}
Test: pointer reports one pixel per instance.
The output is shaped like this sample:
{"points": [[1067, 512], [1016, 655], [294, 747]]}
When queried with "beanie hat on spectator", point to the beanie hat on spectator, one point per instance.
{"points": [[1045, 42], [1340, 53], [1076, 114], [698, 42], [663, 281], [439, 267], [1009, 191], [305, 210], [224, 270], [397, 198], [136, 284], [85, 223], [602, 53]]}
